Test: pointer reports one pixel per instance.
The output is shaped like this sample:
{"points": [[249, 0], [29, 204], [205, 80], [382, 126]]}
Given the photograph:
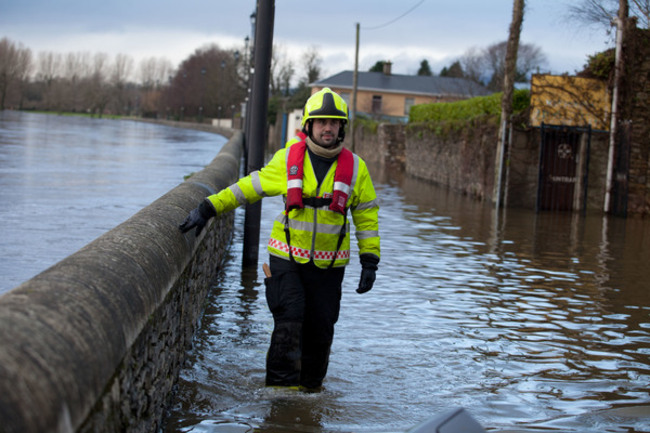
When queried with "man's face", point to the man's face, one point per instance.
{"points": [[326, 131]]}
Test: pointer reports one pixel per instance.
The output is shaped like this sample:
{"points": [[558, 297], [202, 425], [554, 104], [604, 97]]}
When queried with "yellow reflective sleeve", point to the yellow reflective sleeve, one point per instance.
{"points": [[273, 177], [268, 181], [365, 213], [224, 201]]}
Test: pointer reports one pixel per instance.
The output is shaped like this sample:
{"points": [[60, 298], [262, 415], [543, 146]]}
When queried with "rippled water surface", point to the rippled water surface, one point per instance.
{"points": [[533, 323], [65, 180], [530, 322]]}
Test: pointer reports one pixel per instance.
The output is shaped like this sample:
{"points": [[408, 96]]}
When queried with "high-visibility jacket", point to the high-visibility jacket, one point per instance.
{"points": [[314, 230]]}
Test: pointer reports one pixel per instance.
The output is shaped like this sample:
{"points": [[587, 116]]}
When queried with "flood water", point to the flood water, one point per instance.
{"points": [[531, 322], [66, 180]]}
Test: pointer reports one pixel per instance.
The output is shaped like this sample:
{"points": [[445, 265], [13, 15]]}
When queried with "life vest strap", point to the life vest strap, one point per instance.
{"points": [[317, 201]]}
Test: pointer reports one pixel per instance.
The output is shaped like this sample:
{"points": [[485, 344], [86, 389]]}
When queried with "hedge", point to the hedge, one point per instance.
{"points": [[468, 109]]}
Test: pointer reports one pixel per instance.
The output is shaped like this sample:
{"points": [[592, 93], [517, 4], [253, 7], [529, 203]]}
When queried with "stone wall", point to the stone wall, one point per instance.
{"points": [[635, 107], [596, 181], [464, 160], [382, 147], [461, 160], [368, 145], [96, 342], [522, 169], [522, 172]]}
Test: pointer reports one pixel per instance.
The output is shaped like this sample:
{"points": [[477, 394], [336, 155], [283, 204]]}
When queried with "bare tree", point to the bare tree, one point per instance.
{"points": [[488, 65], [49, 66], [313, 63], [120, 73], [527, 58], [75, 66], [206, 84], [473, 64], [603, 12], [154, 73], [23, 71], [15, 63], [122, 68], [282, 72], [312, 71], [7, 60], [285, 76], [97, 92], [49, 71], [77, 69]]}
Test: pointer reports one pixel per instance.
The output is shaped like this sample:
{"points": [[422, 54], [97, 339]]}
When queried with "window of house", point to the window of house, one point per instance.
{"points": [[346, 97], [376, 103], [408, 103]]}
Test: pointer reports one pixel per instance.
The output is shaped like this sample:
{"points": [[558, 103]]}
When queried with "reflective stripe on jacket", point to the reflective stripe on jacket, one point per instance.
{"points": [[314, 231]]}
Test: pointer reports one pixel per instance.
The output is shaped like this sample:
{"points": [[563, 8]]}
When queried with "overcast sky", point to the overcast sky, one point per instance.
{"points": [[439, 31]]}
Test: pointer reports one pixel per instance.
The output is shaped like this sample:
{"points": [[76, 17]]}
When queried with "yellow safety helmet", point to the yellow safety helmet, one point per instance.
{"points": [[325, 104]]}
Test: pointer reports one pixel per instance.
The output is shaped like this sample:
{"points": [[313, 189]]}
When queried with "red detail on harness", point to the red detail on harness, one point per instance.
{"points": [[342, 177], [295, 164]]}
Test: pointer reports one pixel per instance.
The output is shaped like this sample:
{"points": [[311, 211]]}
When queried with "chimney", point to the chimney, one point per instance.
{"points": [[387, 67]]}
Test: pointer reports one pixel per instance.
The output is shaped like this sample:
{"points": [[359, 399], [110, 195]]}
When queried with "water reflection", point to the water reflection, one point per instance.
{"points": [[531, 322], [66, 180]]}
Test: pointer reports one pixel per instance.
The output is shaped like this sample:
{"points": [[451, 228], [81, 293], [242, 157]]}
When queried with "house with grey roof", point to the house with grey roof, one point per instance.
{"points": [[386, 95]]}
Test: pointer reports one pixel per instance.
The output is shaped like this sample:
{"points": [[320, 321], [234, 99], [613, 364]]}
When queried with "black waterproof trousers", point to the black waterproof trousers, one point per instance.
{"points": [[305, 302]]}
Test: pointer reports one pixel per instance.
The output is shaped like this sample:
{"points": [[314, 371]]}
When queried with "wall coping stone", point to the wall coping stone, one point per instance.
{"points": [[65, 332]]}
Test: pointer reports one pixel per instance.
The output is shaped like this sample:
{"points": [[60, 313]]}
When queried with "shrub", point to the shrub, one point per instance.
{"points": [[600, 65], [467, 110]]}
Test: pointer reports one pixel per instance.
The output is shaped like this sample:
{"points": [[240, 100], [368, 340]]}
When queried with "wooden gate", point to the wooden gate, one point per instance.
{"points": [[563, 168]]}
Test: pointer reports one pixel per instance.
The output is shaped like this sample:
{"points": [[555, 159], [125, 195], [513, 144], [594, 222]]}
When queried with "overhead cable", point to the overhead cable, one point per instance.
{"points": [[395, 19]]}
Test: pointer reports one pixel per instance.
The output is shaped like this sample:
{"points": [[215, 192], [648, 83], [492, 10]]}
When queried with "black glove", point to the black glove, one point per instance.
{"points": [[198, 217], [369, 264]]}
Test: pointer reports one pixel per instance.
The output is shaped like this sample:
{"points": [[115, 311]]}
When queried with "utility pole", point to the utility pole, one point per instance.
{"points": [[620, 21], [355, 78], [258, 109], [508, 87]]}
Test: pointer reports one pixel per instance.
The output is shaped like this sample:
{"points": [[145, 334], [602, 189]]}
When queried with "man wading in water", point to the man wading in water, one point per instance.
{"points": [[310, 241]]}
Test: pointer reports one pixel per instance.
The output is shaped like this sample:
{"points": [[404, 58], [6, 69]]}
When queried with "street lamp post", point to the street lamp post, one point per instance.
{"points": [[203, 73], [256, 126]]}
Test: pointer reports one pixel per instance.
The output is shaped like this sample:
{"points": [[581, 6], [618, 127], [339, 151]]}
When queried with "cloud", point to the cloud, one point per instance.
{"points": [[439, 32], [137, 42]]}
